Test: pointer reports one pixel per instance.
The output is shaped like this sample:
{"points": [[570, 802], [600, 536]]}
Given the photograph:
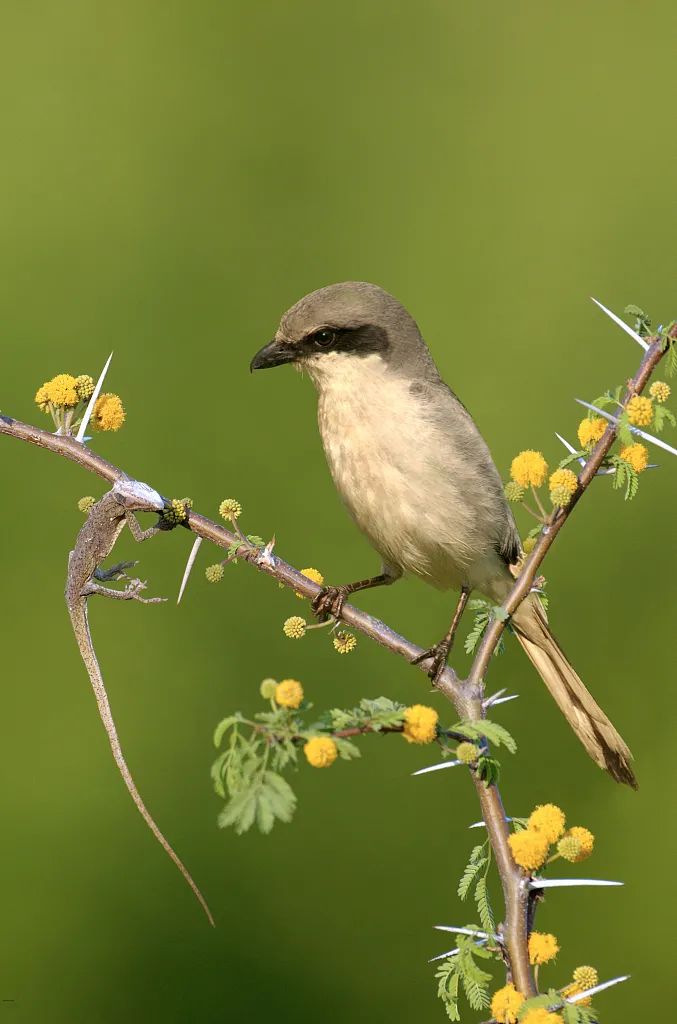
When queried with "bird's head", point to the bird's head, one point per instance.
{"points": [[345, 327]]}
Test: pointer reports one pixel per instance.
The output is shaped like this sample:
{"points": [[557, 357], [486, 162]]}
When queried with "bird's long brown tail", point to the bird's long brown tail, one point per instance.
{"points": [[597, 734]]}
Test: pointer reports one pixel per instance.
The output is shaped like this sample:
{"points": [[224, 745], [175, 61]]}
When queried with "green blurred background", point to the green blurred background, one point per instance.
{"points": [[174, 176]]}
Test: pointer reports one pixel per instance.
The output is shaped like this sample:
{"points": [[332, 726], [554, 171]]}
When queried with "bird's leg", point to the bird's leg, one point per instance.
{"points": [[329, 602], [440, 652]]}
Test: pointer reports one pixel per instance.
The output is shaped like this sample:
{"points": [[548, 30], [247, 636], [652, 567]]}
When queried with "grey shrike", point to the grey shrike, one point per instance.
{"points": [[418, 479]]}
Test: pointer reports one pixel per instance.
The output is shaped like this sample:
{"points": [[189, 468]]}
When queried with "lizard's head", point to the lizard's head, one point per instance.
{"points": [[137, 496]]}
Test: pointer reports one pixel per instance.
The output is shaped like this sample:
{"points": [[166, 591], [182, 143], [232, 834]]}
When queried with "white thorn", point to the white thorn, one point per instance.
{"points": [[453, 952], [634, 430], [189, 566], [437, 767], [554, 883], [622, 324], [463, 931], [597, 988], [90, 405], [493, 701], [483, 824]]}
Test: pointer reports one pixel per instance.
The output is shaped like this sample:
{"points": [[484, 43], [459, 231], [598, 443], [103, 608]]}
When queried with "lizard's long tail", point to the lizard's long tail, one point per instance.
{"points": [[597, 734], [78, 616]]}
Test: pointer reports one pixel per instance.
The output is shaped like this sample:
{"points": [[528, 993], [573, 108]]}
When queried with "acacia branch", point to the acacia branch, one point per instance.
{"points": [[465, 695]]}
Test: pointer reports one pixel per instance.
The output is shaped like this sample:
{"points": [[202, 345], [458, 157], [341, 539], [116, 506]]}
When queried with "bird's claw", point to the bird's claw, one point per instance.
{"points": [[439, 654], [329, 603]]}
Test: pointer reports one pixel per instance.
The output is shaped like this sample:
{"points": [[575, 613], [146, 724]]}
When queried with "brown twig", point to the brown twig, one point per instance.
{"points": [[466, 695]]}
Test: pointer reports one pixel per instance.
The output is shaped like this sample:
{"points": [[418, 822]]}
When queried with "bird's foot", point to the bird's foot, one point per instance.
{"points": [[329, 603], [439, 654]]}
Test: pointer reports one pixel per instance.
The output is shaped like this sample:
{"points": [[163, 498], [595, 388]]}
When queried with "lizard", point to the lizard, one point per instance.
{"points": [[94, 543]]}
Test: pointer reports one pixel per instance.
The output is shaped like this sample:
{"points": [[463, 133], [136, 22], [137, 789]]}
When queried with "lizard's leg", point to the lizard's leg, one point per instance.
{"points": [[137, 533], [132, 592], [116, 572]]}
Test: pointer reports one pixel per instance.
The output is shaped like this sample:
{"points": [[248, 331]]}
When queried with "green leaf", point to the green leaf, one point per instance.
{"points": [[471, 870], [481, 728], [223, 727], [447, 986], [347, 750], [483, 905]]}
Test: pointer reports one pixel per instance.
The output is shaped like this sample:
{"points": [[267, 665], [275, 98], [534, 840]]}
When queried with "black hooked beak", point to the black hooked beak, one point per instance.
{"points": [[273, 354]]}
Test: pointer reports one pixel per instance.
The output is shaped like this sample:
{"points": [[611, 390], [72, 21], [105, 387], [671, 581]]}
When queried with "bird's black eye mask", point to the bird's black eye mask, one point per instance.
{"points": [[362, 340]]}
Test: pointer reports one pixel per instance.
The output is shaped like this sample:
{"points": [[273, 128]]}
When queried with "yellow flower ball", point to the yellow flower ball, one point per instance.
{"points": [[565, 479], [529, 849], [660, 391], [586, 977], [513, 491], [289, 694], [84, 385], [420, 724], [590, 431], [637, 456], [267, 688], [548, 819], [214, 573], [230, 508], [312, 574], [505, 1004], [640, 411], [541, 1016], [467, 752], [42, 398], [320, 751], [294, 627], [61, 390], [543, 948], [529, 469], [344, 642], [585, 840], [529, 545], [108, 413], [86, 503]]}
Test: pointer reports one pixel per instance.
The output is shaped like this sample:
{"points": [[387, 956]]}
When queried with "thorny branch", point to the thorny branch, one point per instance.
{"points": [[466, 695]]}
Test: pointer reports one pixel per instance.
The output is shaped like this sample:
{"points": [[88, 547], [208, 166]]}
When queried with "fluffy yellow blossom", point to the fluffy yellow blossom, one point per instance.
{"points": [[586, 977], [42, 398], [86, 503], [563, 484], [637, 455], [214, 573], [640, 411], [230, 508], [344, 642], [320, 751], [61, 390], [590, 431], [529, 848], [267, 688], [84, 385], [548, 819], [108, 413], [289, 694], [576, 844], [543, 948], [312, 574], [467, 752], [660, 391], [420, 724], [178, 510], [541, 1016], [294, 627], [505, 1004], [529, 469], [513, 491]]}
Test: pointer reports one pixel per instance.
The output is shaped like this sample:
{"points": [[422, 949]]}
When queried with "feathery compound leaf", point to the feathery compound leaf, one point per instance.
{"points": [[447, 986], [484, 906], [484, 728], [477, 861], [573, 1013], [475, 981]]}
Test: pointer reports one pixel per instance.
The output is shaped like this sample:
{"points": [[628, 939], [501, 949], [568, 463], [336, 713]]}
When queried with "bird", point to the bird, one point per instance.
{"points": [[419, 481]]}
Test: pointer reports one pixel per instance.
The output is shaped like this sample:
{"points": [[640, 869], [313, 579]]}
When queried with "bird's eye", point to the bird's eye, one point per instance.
{"points": [[324, 338]]}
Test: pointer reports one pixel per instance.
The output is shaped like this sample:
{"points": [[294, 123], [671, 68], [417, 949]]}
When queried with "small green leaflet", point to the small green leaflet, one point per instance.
{"points": [[483, 905], [624, 477], [477, 861], [494, 733]]}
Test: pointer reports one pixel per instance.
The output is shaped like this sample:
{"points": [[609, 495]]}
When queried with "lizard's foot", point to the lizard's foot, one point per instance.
{"points": [[329, 603], [132, 592], [439, 654], [116, 572]]}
